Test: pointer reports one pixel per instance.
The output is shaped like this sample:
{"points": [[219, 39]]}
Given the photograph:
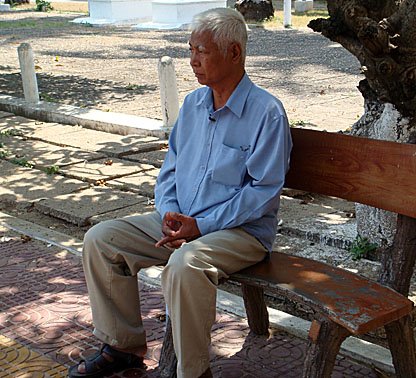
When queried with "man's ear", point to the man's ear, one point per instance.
{"points": [[236, 52]]}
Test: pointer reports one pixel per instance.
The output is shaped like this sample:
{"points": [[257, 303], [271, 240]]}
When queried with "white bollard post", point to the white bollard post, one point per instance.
{"points": [[287, 13], [27, 68], [168, 91]]}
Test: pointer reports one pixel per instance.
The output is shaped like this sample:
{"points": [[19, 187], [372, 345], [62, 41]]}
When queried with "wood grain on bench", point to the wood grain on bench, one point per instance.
{"points": [[354, 302], [377, 173]]}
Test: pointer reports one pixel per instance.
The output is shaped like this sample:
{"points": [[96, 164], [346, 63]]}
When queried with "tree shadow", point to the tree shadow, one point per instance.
{"points": [[76, 90], [293, 61], [277, 355], [45, 305]]}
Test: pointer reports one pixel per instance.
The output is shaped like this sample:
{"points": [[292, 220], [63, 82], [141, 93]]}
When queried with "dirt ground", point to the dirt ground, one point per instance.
{"points": [[115, 68]]}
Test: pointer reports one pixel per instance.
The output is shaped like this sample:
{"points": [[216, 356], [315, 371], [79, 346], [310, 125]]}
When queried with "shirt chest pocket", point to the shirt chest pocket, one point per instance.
{"points": [[230, 166]]}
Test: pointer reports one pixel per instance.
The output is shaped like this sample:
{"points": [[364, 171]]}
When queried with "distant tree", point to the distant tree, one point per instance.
{"points": [[382, 35], [255, 10], [14, 2]]}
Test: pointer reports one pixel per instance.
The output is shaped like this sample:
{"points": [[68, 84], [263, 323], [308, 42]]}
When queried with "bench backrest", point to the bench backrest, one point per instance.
{"points": [[378, 173]]}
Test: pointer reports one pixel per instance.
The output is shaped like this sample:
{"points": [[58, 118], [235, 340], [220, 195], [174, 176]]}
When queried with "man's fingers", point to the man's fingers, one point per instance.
{"points": [[176, 217], [173, 224], [162, 242], [170, 242], [176, 243]]}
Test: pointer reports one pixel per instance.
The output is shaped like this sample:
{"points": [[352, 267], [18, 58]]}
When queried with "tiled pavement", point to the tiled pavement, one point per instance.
{"points": [[45, 323]]}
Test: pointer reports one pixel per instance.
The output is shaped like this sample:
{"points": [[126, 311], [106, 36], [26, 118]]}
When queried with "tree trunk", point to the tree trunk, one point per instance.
{"points": [[382, 35]]}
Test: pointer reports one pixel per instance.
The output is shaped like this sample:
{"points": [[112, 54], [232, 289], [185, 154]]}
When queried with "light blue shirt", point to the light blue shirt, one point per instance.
{"points": [[226, 168]]}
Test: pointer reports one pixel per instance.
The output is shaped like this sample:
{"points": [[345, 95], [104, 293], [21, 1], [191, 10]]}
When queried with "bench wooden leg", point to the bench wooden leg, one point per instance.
{"points": [[402, 346], [398, 261], [167, 360], [325, 339], [397, 267], [256, 309]]}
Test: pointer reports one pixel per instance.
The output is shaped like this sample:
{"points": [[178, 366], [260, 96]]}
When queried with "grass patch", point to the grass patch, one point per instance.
{"points": [[43, 6], [23, 162], [52, 170], [33, 24], [361, 247], [70, 7], [67, 7], [299, 20]]}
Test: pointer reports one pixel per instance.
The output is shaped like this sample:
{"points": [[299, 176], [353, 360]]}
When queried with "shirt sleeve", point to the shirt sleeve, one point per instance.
{"points": [[266, 167], [165, 190]]}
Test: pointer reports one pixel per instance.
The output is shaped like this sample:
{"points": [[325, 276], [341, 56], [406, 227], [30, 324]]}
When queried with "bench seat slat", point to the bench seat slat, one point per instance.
{"points": [[354, 302], [373, 172]]}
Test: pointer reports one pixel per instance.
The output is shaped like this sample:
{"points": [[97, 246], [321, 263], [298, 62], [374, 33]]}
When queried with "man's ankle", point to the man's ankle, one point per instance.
{"points": [[138, 351]]}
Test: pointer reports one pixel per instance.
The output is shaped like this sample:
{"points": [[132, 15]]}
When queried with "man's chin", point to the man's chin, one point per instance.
{"points": [[200, 79]]}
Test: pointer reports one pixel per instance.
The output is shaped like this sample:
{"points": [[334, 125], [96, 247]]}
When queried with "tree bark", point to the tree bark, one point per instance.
{"points": [[398, 262], [382, 35]]}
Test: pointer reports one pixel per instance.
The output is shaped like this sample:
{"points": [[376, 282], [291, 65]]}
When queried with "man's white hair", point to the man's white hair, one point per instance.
{"points": [[226, 26]]}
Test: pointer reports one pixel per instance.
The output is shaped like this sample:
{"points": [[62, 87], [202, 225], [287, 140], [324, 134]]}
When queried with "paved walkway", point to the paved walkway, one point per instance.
{"points": [[69, 177], [45, 323]]}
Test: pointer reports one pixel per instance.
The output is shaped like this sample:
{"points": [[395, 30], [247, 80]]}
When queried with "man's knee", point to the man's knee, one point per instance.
{"points": [[186, 264], [177, 263], [178, 267], [99, 234]]}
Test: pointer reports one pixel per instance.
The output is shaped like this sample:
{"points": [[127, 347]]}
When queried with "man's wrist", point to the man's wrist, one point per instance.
{"points": [[204, 226]]}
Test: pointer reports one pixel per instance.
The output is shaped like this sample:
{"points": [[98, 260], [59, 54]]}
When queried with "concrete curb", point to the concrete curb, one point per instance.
{"points": [[116, 123], [354, 348]]}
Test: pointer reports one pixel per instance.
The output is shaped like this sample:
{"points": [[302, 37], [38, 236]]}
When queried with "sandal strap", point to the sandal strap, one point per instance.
{"points": [[97, 363], [127, 358], [116, 355]]}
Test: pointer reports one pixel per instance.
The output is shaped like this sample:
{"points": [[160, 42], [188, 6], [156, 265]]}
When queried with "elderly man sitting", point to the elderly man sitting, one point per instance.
{"points": [[217, 197]]}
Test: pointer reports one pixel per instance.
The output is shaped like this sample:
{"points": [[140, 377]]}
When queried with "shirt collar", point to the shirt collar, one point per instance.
{"points": [[237, 99]]}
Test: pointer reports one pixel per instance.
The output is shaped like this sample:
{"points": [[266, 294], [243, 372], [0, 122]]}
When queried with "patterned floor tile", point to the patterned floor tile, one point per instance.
{"points": [[46, 325]]}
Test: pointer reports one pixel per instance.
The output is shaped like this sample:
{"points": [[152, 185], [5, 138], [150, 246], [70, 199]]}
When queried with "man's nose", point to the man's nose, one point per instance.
{"points": [[193, 60]]}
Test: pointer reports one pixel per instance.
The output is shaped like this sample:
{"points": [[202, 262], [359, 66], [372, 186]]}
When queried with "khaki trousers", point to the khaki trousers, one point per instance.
{"points": [[114, 252]]}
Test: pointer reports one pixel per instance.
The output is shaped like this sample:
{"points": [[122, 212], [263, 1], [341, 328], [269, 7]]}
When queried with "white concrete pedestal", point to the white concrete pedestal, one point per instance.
{"points": [[4, 7], [177, 14], [303, 5], [103, 12]]}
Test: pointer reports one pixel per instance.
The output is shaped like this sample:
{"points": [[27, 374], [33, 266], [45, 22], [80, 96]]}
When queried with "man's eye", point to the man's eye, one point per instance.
{"points": [[197, 50]]}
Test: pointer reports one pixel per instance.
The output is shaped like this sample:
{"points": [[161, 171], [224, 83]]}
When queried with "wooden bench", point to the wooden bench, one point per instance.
{"points": [[377, 173]]}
